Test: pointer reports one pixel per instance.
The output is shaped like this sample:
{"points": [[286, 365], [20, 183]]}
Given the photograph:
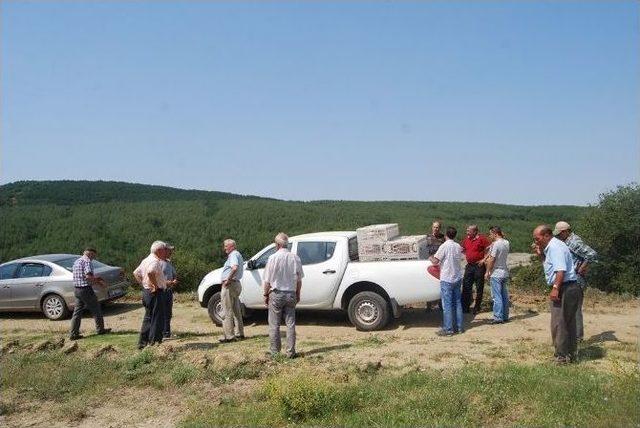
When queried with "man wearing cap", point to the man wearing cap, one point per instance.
{"points": [[282, 282], [474, 247], [583, 255], [171, 277], [83, 278], [150, 274], [230, 294], [565, 295]]}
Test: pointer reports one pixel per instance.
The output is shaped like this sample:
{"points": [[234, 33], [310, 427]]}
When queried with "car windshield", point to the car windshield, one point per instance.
{"points": [[69, 261]]}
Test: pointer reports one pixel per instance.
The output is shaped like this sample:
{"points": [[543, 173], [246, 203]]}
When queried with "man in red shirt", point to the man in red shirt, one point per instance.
{"points": [[475, 247]]}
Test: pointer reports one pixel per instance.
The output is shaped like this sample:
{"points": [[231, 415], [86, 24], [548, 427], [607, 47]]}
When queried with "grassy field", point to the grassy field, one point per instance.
{"points": [[404, 376]]}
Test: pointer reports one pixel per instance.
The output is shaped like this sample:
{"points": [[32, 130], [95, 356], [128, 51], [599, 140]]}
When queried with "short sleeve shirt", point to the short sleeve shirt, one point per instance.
{"points": [[283, 270], [450, 256], [81, 268], [434, 242], [234, 259], [169, 271], [151, 264], [474, 248], [558, 258], [500, 251]]}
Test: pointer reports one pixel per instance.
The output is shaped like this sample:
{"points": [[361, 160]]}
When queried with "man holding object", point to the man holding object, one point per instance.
{"points": [[565, 296]]}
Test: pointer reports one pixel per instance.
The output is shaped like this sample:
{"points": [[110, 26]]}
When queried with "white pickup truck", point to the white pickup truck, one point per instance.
{"points": [[334, 279]]}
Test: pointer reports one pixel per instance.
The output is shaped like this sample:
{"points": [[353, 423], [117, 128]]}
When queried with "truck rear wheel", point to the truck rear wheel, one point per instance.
{"points": [[368, 311], [216, 313]]}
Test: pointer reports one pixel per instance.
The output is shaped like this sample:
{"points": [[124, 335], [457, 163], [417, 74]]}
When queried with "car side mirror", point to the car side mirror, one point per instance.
{"points": [[251, 264]]}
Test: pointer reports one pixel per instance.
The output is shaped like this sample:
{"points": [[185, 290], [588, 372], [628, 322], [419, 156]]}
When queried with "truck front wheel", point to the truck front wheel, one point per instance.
{"points": [[368, 311], [216, 313]]}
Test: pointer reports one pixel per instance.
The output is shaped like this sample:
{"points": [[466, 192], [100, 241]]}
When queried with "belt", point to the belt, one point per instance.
{"points": [[275, 290], [83, 287], [569, 282]]}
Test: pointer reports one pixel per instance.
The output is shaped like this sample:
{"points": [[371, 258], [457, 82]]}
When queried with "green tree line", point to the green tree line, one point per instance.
{"points": [[122, 230]]}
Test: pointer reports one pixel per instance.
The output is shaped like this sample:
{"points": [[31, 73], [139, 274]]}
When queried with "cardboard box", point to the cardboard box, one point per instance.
{"points": [[377, 233], [400, 248]]}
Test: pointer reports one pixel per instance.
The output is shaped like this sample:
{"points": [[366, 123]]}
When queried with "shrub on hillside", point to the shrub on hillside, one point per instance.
{"points": [[530, 277], [612, 228]]}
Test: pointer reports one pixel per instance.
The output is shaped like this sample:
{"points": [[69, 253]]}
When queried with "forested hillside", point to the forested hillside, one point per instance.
{"points": [[122, 220]]}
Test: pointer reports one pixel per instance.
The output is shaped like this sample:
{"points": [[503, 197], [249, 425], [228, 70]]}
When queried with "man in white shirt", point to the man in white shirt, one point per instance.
{"points": [[282, 282], [449, 257], [150, 274]]}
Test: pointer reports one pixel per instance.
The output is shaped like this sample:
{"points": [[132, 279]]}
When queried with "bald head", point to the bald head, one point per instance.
{"points": [[542, 235]]}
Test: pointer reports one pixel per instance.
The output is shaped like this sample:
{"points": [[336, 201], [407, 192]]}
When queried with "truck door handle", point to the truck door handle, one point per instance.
{"points": [[328, 271], [6, 286], [40, 284]]}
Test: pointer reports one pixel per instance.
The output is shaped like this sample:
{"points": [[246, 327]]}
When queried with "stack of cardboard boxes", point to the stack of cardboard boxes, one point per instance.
{"points": [[382, 242]]}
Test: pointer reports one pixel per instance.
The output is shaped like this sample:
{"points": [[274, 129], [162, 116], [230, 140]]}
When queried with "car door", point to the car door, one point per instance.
{"points": [[28, 284], [322, 267], [252, 293], [7, 276]]}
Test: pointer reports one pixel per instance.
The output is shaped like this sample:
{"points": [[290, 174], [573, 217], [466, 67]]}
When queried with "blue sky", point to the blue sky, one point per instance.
{"points": [[512, 102]]}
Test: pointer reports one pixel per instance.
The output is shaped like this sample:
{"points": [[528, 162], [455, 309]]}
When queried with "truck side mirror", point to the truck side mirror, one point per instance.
{"points": [[251, 264]]}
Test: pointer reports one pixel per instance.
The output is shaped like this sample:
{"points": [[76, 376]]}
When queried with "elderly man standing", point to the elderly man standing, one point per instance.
{"points": [[474, 247], [83, 278], [282, 282], [498, 275], [449, 257], [230, 294], [150, 274], [583, 256], [171, 277], [565, 294]]}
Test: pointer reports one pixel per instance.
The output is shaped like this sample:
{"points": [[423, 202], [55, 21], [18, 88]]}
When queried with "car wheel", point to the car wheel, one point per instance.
{"points": [[214, 307], [368, 311], [54, 307]]}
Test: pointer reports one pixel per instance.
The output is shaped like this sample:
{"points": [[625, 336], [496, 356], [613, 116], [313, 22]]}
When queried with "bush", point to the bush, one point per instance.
{"points": [[529, 277], [612, 228]]}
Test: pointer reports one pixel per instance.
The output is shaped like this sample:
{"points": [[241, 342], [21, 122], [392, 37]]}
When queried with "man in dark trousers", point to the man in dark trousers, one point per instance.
{"points": [[565, 296], [475, 247], [171, 277], [83, 278], [150, 274]]}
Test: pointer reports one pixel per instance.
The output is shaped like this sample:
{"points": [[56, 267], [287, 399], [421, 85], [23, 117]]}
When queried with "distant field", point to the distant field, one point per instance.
{"points": [[121, 221]]}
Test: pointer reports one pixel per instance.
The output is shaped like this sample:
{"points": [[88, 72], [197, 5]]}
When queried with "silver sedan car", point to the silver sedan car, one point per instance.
{"points": [[45, 283]]}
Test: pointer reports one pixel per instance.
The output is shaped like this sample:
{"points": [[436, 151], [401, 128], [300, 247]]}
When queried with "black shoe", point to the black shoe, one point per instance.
{"points": [[444, 333], [494, 321], [142, 345], [292, 356], [75, 337], [104, 331], [225, 340], [241, 337], [476, 311]]}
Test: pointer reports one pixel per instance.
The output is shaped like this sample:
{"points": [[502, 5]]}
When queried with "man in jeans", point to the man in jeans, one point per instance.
{"points": [[230, 294], [449, 257], [83, 278], [282, 283], [565, 296], [583, 256], [498, 275]]}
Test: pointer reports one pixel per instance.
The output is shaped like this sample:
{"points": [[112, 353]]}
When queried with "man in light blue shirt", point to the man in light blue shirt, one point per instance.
{"points": [[230, 294], [565, 296]]}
